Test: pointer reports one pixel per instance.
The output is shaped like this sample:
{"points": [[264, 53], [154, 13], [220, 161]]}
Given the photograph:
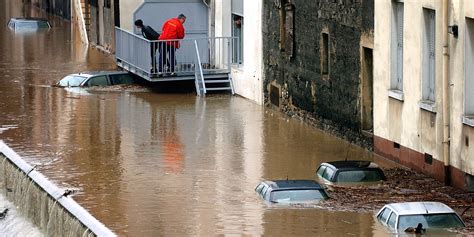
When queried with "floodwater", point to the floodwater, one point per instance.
{"points": [[149, 164]]}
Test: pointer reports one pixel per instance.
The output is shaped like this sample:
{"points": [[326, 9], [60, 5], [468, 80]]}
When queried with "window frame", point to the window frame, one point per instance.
{"points": [[428, 93], [396, 50], [468, 117]]}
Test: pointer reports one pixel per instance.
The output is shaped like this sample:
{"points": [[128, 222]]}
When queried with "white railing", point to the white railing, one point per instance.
{"points": [[199, 75], [139, 55]]}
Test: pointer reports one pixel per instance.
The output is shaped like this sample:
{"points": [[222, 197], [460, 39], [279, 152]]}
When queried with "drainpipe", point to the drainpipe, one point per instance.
{"points": [[446, 112]]}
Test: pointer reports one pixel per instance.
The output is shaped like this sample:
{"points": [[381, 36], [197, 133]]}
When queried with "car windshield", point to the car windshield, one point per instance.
{"points": [[282, 196], [71, 80], [448, 220], [359, 176]]}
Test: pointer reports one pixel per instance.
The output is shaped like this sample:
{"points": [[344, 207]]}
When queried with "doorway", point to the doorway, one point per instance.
{"points": [[367, 90]]}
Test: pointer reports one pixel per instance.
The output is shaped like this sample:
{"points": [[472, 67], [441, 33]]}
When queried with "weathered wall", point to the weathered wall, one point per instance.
{"points": [[102, 26], [61, 8], [336, 97]]}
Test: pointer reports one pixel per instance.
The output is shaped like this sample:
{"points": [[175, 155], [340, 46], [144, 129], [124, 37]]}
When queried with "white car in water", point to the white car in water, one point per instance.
{"points": [[103, 78], [28, 24], [406, 216]]}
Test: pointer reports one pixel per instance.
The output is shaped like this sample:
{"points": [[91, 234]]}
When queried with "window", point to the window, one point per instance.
{"points": [[121, 79], [237, 33], [429, 39], [237, 9], [383, 216], [321, 170], [259, 188], [328, 173], [107, 3], [392, 219], [297, 195], [98, 81], [359, 176], [325, 53], [469, 68], [396, 81]]}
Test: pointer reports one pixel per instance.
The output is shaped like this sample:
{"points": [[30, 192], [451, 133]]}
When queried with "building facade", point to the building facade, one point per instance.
{"points": [[318, 62], [423, 87], [101, 17]]}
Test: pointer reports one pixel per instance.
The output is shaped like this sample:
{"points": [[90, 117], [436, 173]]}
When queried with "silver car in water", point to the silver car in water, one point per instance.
{"points": [[431, 215], [102, 78]]}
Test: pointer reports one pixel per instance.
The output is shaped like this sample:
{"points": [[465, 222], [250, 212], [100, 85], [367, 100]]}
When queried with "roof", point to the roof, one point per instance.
{"points": [[28, 19], [352, 164], [97, 73], [293, 184], [413, 208]]}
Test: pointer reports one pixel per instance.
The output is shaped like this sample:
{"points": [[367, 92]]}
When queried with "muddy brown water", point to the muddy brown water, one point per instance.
{"points": [[149, 164]]}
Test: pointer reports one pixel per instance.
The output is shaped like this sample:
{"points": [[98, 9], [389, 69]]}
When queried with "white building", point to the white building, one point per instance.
{"points": [[412, 93]]}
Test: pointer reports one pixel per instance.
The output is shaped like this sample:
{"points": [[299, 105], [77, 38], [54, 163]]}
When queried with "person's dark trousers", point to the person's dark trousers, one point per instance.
{"points": [[153, 48], [168, 56]]}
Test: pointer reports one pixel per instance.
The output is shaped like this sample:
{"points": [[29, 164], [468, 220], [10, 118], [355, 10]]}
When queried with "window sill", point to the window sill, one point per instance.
{"points": [[427, 105], [396, 94], [468, 120]]}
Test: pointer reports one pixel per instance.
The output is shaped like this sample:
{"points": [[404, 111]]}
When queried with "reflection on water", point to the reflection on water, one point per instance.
{"points": [[151, 164]]}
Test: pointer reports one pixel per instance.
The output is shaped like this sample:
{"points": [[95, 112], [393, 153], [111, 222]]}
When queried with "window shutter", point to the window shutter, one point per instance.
{"points": [[400, 46], [432, 54]]}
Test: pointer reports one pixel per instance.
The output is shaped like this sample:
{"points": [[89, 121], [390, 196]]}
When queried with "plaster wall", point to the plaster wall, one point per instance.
{"points": [[127, 8], [247, 77], [405, 122]]}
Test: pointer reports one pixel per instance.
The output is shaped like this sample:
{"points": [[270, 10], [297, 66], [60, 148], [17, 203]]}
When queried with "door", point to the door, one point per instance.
{"points": [[367, 90]]}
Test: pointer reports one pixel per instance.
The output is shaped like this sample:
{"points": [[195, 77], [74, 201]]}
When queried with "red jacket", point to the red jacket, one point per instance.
{"points": [[172, 29]]}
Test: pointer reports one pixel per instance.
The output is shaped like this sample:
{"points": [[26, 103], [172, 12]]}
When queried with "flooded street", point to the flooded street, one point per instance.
{"points": [[149, 164]]}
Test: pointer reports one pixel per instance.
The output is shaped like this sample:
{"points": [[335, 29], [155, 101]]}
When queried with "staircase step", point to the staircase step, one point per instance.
{"points": [[217, 88], [216, 81]]}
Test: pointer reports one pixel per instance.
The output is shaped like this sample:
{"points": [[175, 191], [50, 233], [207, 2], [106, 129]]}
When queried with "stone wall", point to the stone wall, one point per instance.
{"points": [[295, 68]]}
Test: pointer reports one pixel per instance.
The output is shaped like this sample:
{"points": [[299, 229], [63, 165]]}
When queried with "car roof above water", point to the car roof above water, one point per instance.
{"points": [[351, 164], [28, 19], [99, 73], [413, 208], [293, 184]]}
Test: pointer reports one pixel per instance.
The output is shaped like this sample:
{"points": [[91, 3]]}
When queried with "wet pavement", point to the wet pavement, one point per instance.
{"points": [[148, 164]]}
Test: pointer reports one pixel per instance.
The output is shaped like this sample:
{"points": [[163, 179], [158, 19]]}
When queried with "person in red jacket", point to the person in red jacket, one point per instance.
{"points": [[172, 32]]}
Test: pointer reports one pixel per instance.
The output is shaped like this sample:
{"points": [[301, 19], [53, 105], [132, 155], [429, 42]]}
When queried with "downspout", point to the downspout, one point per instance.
{"points": [[446, 112]]}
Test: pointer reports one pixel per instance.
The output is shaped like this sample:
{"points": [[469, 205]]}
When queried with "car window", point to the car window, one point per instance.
{"points": [[392, 219], [121, 79], [321, 170], [448, 220], [259, 188], [264, 190], [71, 80], [328, 173], [282, 196], [359, 176], [383, 216], [98, 81]]}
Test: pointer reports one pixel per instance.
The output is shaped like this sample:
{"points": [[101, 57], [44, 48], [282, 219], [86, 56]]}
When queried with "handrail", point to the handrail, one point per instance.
{"points": [[198, 65], [154, 58]]}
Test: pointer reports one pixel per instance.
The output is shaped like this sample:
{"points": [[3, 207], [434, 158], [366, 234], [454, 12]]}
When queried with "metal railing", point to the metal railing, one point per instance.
{"points": [[172, 57], [199, 75]]}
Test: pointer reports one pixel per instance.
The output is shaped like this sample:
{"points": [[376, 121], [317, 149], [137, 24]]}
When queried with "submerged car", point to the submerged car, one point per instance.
{"points": [[291, 191], [104, 78], [352, 171], [407, 215], [27, 24]]}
